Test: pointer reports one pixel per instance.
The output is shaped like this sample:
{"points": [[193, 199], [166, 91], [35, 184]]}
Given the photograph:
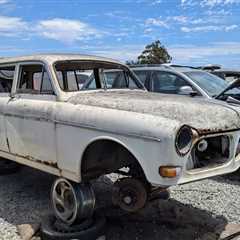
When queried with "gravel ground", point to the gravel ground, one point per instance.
{"points": [[219, 195], [195, 211]]}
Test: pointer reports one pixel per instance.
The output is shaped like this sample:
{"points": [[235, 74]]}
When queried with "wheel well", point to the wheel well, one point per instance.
{"points": [[106, 156]]}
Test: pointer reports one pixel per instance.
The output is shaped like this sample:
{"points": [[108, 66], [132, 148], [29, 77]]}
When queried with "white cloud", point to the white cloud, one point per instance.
{"points": [[189, 2], [4, 1], [156, 22], [63, 30], [166, 22], [209, 28], [212, 3], [120, 15], [193, 52], [12, 26], [208, 3], [148, 30], [156, 2], [66, 30], [169, 21], [189, 24], [198, 21], [151, 2], [212, 20], [180, 19], [230, 28], [219, 13]]}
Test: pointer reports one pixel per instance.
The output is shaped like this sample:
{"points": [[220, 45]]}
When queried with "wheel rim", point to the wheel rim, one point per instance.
{"points": [[64, 201]]}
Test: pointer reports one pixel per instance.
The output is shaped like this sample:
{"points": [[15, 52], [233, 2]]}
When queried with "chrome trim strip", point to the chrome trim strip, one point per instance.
{"points": [[81, 125]]}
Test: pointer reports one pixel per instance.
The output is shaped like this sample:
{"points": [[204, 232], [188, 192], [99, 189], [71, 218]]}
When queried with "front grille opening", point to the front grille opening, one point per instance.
{"points": [[210, 152]]}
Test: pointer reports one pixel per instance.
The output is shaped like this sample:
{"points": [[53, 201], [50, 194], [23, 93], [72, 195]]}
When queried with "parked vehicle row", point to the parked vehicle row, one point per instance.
{"points": [[181, 80], [225, 73], [78, 130]]}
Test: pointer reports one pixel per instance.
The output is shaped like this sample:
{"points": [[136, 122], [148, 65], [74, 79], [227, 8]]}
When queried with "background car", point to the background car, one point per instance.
{"points": [[183, 80], [227, 74]]}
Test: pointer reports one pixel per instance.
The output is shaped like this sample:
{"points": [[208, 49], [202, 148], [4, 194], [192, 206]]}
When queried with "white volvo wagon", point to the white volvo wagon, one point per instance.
{"points": [[47, 122]]}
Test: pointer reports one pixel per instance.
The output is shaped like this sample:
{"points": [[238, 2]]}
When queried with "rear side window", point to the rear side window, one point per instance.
{"points": [[119, 79], [164, 82], [6, 78], [142, 76], [73, 80], [34, 79]]}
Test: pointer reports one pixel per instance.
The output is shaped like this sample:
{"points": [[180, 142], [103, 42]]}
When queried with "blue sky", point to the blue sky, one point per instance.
{"points": [[195, 32]]}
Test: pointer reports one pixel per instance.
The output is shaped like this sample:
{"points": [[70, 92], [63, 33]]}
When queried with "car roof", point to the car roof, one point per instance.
{"points": [[171, 68], [149, 67], [186, 69], [51, 58], [225, 70]]}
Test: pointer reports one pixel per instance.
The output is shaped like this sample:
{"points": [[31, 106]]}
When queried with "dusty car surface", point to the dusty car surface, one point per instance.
{"points": [[156, 140]]}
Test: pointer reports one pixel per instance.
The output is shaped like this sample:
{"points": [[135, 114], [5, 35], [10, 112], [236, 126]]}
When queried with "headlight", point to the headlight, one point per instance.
{"points": [[184, 140]]}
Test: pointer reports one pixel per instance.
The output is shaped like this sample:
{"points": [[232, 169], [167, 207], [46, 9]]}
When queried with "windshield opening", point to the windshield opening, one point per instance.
{"points": [[91, 75], [211, 84]]}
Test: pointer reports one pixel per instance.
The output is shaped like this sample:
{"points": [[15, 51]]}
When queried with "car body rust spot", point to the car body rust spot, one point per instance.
{"points": [[30, 158]]}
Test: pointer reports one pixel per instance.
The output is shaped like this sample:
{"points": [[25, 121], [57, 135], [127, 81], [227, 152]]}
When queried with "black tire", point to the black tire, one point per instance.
{"points": [[88, 230], [8, 167]]}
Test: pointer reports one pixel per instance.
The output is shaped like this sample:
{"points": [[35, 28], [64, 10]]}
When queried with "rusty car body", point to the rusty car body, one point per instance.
{"points": [[48, 123]]}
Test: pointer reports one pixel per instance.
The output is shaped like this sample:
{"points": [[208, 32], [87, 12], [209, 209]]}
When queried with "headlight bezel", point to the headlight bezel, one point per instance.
{"points": [[184, 148]]}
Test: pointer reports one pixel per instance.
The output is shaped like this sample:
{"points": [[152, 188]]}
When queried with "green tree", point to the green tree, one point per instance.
{"points": [[154, 53]]}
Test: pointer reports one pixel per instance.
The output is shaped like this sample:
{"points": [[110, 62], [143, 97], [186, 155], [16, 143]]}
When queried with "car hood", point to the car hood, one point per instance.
{"points": [[203, 114]]}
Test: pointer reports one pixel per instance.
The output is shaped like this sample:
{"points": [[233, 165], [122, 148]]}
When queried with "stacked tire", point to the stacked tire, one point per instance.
{"points": [[89, 229]]}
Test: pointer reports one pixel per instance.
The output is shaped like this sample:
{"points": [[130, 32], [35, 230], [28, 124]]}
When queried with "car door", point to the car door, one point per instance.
{"points": [[7, 73], [167, 82], [30, 113]]}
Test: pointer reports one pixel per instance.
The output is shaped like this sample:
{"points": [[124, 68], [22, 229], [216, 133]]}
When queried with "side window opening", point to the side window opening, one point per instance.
{"points": [[34, 79], [6, 78], [117, 79], [92, 75], [169, 83], [73, 80]]}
